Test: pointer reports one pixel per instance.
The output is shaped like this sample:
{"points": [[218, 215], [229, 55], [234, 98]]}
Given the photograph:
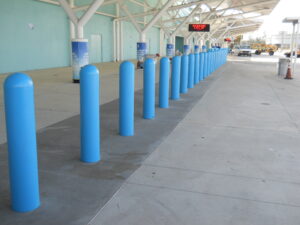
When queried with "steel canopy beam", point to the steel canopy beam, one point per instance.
{"points": [[69, 11], [171, 8], [225, 9], [228, 16], [84, 18], [90, 12], [213, 12], [158, 15], [185, 21], [135, 24]]}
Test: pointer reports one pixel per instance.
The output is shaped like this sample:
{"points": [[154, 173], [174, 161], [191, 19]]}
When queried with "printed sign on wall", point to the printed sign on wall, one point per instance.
{"points": [[80, 56]]}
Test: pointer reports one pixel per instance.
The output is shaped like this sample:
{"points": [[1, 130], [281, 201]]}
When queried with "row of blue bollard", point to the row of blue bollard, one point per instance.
{"points": [[21, 133], [186, 72]]}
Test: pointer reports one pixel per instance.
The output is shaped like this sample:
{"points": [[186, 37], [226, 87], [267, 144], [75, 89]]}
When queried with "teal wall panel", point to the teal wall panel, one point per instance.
{"points": [[179, 41], [131, 37], [111, 9], [153, 40], [103, 26], [44, 46]]}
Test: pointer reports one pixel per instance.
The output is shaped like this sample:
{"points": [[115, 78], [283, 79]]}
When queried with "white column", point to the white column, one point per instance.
{"points": [[296, 48], [121, 40], [142, 37], [292, 46], [161, 42], [79, 46], [72, 31]]}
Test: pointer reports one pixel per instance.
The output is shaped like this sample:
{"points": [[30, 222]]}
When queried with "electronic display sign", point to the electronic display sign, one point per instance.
{"points": [[199, 27]]}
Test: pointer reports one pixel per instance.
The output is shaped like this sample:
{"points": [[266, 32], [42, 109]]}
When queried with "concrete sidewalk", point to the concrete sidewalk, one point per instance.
{"points": [[233, 160]]}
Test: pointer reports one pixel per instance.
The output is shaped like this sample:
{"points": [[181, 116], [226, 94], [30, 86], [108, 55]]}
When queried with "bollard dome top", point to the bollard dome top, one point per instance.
{"points": [[18, 80], [89, 69], [165, 59], [149, 60], [127, 63]]}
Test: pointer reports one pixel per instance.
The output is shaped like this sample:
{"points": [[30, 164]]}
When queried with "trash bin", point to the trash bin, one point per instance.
{"points": [[283, 66]]}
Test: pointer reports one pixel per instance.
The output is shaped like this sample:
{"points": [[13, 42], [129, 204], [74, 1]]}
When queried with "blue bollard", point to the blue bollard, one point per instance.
{"points": [[21, 141], [196, 69], [175, 79], [149, 89], [164, 82], [191, 70], [89, 114], [218, 59], [212, 63], [215, 60], [205, 64], [184, 74], [209, 63], [221, 58], [126, 99], [201, 66]]}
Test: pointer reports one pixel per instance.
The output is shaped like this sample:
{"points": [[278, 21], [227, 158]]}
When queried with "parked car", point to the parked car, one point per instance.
{"points": [[243, 50]]}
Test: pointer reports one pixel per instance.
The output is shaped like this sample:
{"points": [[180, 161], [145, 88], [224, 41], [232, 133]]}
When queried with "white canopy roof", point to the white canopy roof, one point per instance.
{"points": [[226, 17]]}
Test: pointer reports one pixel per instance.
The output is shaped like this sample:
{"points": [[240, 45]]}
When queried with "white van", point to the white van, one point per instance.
{"points": [[240, 50]]}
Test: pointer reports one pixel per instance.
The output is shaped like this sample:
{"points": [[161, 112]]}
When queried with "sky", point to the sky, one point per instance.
{"points": [[273, 23]]}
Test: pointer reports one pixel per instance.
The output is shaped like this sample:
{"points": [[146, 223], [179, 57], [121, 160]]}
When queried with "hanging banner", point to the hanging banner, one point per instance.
{"points": [[80, 57], [186, 49], [141, 51], [170, 50]]}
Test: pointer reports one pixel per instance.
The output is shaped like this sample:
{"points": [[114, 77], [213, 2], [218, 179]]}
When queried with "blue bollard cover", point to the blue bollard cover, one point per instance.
{"points": [[126, 99], [89, 114], [191, 71], [149, 89], [184, 70], [21, 140], [164, 82], [175, 80]]}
